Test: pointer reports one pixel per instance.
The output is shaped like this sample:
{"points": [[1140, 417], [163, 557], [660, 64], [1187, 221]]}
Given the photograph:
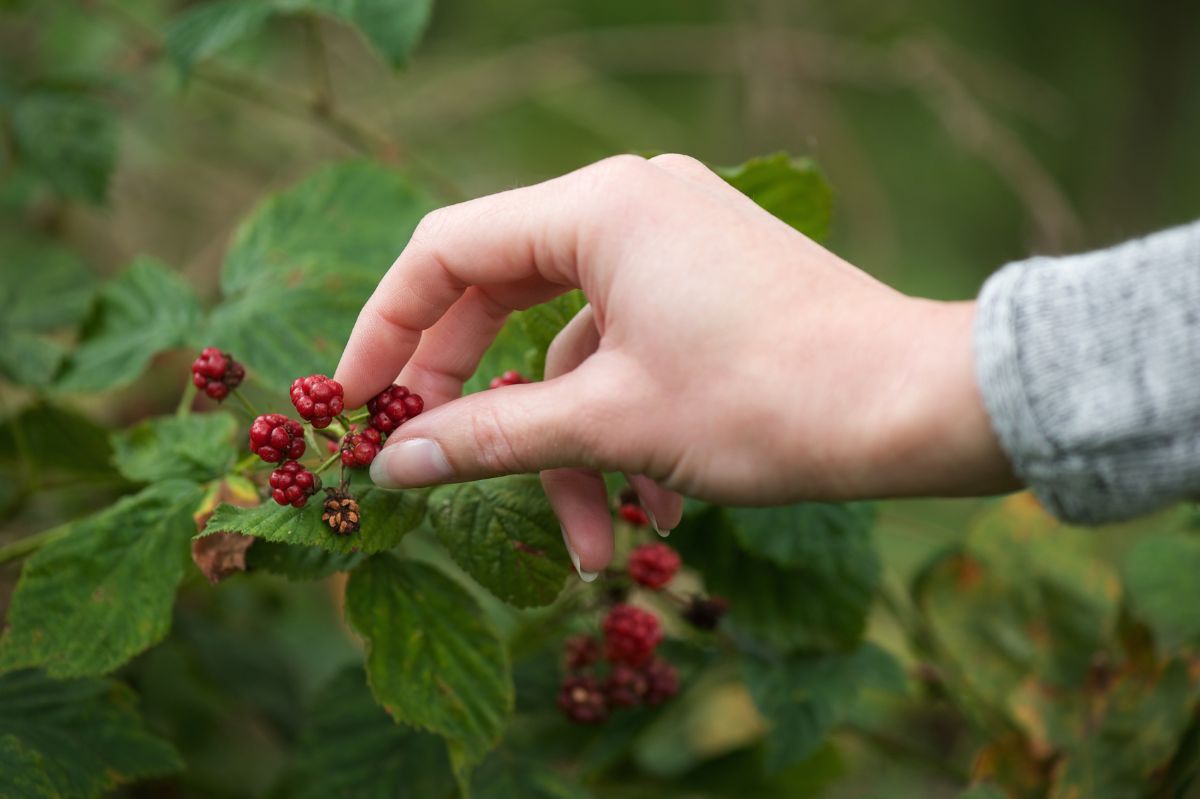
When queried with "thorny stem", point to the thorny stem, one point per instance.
{"points": [[23, 547]]}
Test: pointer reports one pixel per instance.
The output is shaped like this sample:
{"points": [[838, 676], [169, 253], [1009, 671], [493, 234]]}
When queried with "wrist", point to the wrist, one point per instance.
{"points": [[941, 440]]}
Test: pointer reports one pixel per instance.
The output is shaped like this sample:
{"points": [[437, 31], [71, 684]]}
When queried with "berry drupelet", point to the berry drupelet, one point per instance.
{"points": [[216, 373], [359, 449], [392, 407], [580, 652], [630, 635], [582, 700], [292, 484], [653, 565], [510, 378], [274, 438], [317, 399]]}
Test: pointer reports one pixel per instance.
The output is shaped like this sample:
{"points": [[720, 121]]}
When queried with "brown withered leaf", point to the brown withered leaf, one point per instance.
{"points": [[222, 554]]}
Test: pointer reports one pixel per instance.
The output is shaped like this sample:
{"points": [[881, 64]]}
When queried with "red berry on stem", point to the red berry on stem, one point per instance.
{"points": [[630, 635], [317, 399], [216, 373], [274, 438], [510, 378], [634, 514], [581, 699], [392, 407], [580, 652], [653, 565], [292, 484], [359, 449], [662, 681]]}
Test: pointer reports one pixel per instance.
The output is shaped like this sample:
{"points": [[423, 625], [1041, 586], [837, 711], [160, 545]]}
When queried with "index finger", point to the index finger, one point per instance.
{"points": [[526, 238]]}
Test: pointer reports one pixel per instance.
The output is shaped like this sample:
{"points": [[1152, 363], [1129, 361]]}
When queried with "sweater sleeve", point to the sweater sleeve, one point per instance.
{"points": [[1089, 366]]}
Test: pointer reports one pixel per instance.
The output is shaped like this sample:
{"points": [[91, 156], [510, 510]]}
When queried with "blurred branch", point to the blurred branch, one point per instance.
{"points": [[456, 90], [28, 545], [322, 81]]}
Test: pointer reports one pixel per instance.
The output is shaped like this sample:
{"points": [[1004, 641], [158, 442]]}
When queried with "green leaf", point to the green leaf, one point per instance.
{"points": [[983, 792], [145, 310], [808, 534], [393, 27], [193, 447], [1142, 721], [351, 749], [510, 350], [505, 775], [820, 605], [303, 264], [68, 138], [1160, 580], [542, 323], [804, 696], [432, 661], [386, 517], [297, 562], [1023, 610], [88, 602], [81, 738], [205, 30], [43, 288], [504, 534], [22, 771], [792, 189], [47, 437]]}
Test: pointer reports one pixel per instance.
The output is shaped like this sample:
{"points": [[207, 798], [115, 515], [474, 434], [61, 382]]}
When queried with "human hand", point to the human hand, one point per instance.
{"points": [[722, 355]]}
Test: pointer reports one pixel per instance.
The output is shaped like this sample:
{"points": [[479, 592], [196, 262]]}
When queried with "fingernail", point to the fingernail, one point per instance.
{"points": [[587, 577], [654, 523], [416, 462]]}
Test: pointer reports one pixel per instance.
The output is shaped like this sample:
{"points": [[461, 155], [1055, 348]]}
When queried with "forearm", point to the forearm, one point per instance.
{"points": [[1089, 367]]}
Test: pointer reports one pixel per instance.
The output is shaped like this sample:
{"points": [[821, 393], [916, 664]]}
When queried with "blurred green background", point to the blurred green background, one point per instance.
{"points": [[957, 136]]}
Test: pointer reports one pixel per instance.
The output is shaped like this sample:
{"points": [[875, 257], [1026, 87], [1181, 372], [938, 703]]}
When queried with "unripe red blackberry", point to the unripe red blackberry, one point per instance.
{"points": [[580, 698], [626, 686], [317, 399], [392, 407], [634, 514], [510, 378], [274, 438], [653, 565], [292, 484], [630, 635], [705, 614], [359, 449], [216, 373], [662, 681], [580, 652]]}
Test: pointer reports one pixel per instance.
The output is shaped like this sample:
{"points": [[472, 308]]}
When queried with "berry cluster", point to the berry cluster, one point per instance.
{"points": [[216, 373], [292, 484], [635, 676], [319, 400], [510, 378]]}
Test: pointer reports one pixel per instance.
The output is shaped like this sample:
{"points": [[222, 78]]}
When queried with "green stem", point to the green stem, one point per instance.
{"points": [[325, 464], [30, 544], [244, 465], [250, 409], [185, 401]]}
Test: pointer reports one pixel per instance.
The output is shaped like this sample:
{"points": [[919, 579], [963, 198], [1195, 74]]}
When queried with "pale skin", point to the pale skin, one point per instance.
{"points": [[723, 355]]}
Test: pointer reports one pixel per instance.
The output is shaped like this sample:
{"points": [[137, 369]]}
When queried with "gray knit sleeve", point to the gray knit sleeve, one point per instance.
{"points": [[1089, 367]]}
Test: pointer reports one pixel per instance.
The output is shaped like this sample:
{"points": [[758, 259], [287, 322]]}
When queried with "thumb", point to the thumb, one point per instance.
{"points": [[511, 430]]}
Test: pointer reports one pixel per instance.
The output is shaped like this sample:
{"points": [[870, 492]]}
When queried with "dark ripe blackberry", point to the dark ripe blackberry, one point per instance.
{"points": [[705, 614], [581, 700]]}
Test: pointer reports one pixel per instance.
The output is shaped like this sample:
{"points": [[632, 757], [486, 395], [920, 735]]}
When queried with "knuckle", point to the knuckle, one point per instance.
{"points": [[617, 173], [679, 161], [431, 225], [494, 448]]}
